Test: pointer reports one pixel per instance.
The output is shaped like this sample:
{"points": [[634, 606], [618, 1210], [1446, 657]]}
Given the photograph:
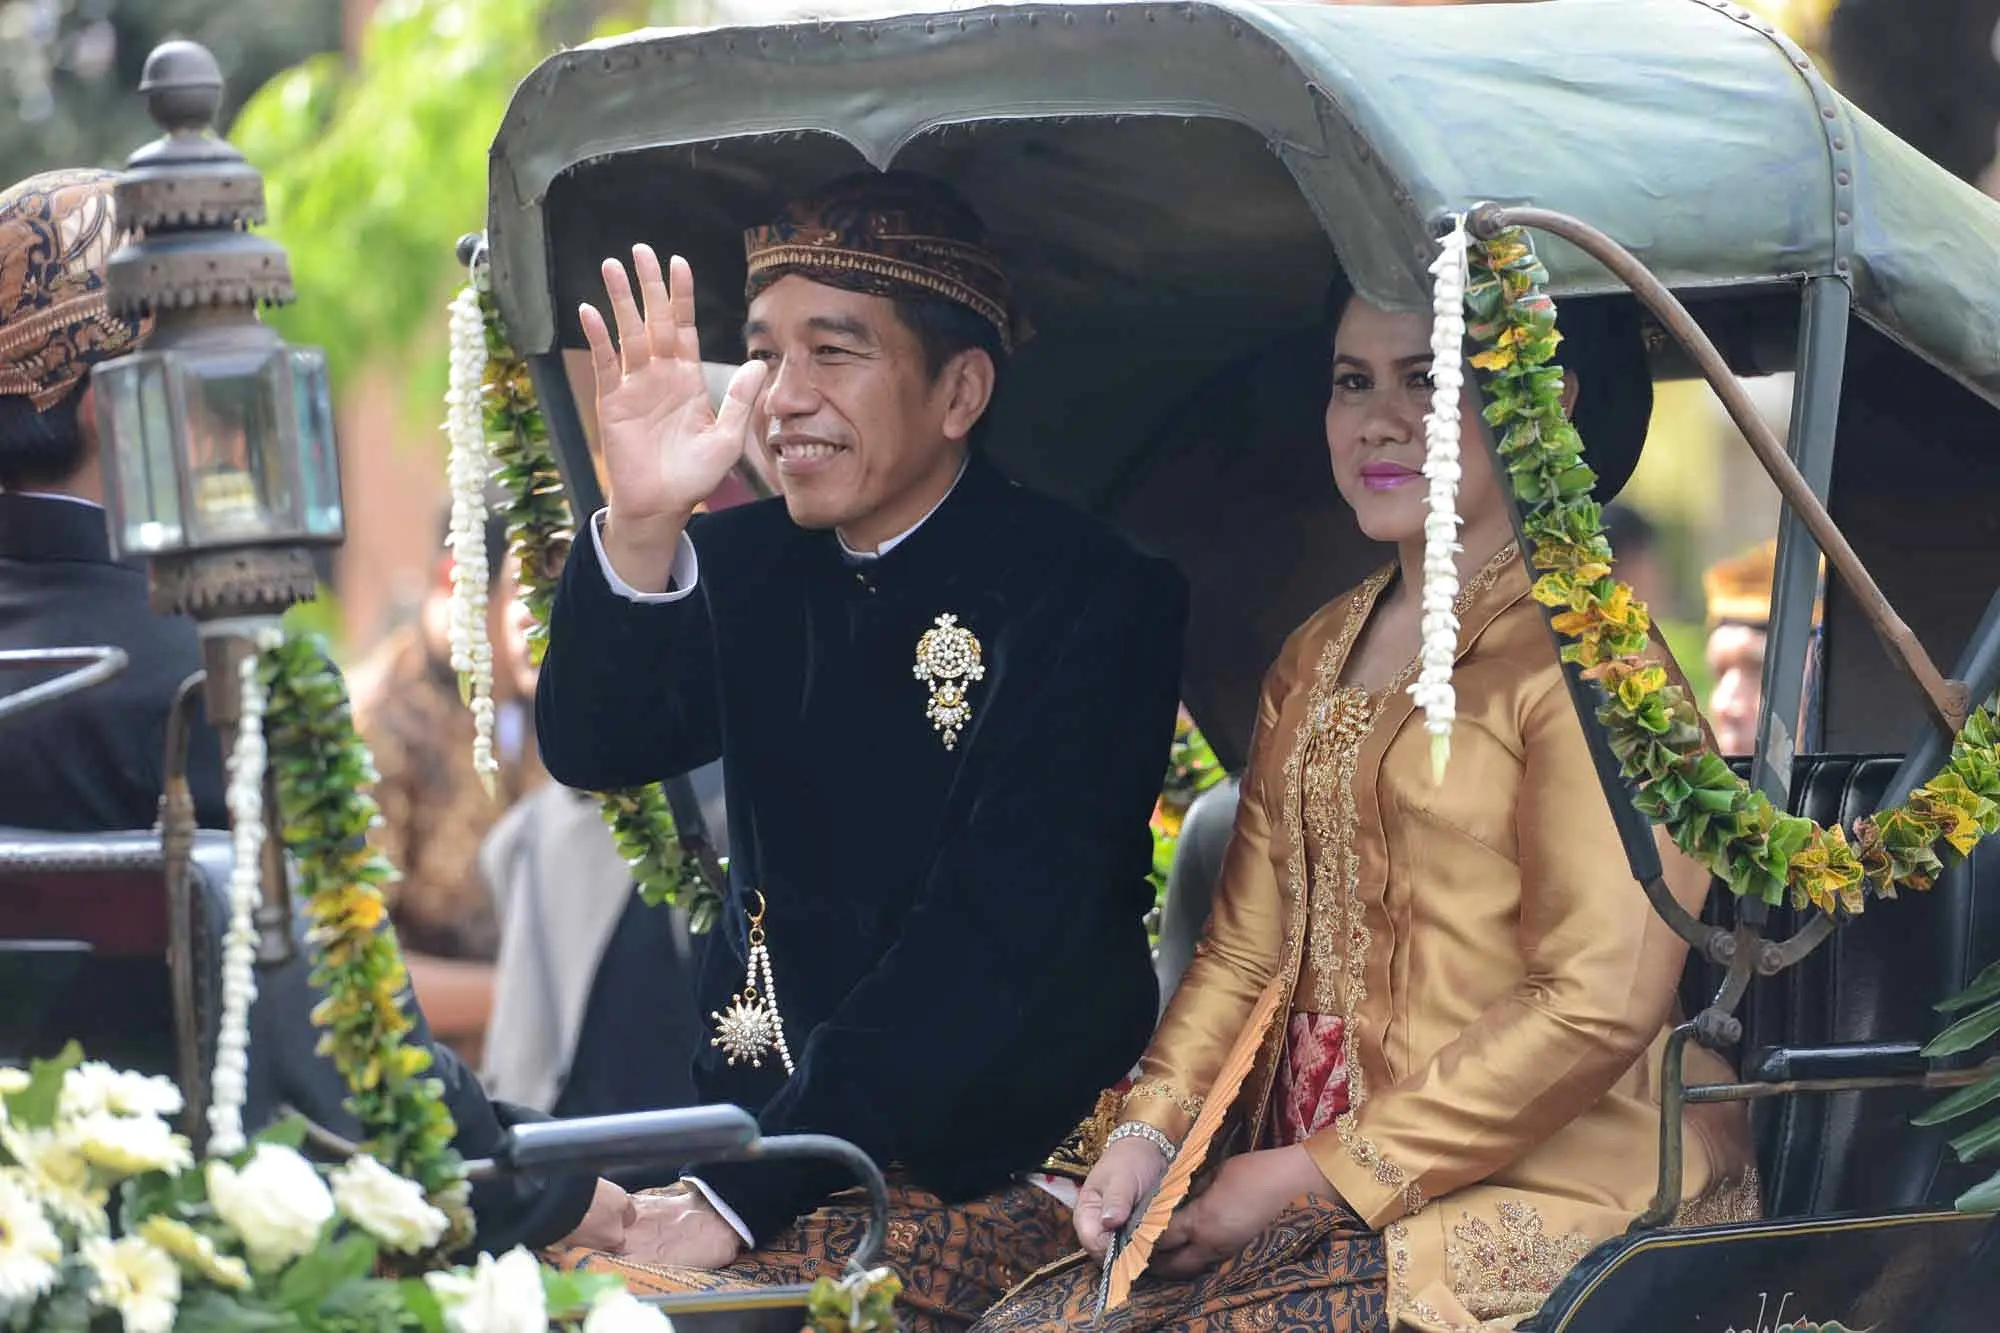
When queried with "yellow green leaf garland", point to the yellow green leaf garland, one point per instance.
{"points": [[324, 774], [1654, 728]]}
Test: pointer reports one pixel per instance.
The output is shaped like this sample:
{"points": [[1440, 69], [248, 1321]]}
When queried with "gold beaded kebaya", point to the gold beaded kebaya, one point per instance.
{"points": [[751, 1027]]}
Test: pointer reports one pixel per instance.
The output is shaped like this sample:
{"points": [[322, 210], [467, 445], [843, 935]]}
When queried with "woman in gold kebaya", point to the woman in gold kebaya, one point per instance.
{"points": [[1460, 1098]]}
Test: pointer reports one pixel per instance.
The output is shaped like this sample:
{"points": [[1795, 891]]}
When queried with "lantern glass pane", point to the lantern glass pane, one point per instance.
{"points": [[241, 463], [136, 421], [319, 454]]}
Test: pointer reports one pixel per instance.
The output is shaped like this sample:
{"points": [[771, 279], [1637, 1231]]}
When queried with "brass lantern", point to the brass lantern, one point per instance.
{"points": [[222, 470]]}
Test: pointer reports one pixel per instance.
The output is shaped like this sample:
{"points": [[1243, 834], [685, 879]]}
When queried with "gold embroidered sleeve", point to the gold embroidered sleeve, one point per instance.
{"points": [[1239, 952], [1597, 977]]}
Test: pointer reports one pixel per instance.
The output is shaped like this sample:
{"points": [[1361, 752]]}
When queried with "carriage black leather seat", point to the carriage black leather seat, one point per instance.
{"points": [[1873, 982]]}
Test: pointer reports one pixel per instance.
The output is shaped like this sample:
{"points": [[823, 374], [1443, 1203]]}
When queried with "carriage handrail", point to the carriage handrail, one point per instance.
{"points": [[93, 666], [1676, 1094], [1946, 699], [721, 1133]]}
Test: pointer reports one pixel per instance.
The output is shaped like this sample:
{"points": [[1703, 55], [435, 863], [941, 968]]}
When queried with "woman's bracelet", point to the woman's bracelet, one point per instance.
{"points": [[1138, 1129]]}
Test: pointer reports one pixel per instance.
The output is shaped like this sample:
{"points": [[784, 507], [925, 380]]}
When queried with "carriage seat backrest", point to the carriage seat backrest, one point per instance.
{"points": [[1875, 980], [84, 935]]}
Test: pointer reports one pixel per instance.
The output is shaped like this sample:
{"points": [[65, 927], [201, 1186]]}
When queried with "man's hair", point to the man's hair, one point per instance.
{"points": [[946, 328], [41, 448]]}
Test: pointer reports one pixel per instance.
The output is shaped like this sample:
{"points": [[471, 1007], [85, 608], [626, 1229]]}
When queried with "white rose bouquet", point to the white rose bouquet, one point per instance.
{"points": [[105, 1222]]}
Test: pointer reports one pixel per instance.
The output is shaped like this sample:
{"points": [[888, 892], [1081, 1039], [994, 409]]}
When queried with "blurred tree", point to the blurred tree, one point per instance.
{"points": [[68, 68], [375, 164]]}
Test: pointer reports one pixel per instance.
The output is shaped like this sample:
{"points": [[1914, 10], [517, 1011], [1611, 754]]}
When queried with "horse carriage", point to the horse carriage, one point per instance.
{"points": [[1173, 184]]}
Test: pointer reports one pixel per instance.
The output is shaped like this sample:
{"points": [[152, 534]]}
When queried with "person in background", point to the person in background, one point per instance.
{"points": [[94, 760], [593, 996], [435, 809], [1739, 621]]}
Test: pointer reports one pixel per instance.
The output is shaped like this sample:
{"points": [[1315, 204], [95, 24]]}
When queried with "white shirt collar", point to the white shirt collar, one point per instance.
{"points": [[903, 536]]}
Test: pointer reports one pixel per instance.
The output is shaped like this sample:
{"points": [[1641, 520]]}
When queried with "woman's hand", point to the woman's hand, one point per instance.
{"points": [[1126, 1172], [1241, 1203]]}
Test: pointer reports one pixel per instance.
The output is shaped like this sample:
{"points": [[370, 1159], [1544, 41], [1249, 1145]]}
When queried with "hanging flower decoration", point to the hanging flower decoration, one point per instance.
{"points": [[1432, 688], [540, 527], [323, 775], [230, 1079], [468, 465], [1653, 726]]}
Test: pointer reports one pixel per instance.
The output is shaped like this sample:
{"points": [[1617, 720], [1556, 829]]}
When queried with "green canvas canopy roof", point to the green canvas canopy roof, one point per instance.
{"points": [[1689, 130]]}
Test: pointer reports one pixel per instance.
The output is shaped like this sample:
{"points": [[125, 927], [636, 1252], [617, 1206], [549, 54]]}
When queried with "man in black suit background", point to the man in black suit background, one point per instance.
{"points": [[93, 762]]}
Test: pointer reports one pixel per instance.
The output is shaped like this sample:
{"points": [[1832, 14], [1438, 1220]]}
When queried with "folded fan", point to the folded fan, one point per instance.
{"points": [[1131, 1257]]}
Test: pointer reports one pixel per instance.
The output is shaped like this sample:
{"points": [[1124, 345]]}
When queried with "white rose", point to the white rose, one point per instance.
{"points": [[277, 1203], [120, 1145], [136, 1278], [94, 1087], [502, 1295], [387, 1206], [619, 1311]]}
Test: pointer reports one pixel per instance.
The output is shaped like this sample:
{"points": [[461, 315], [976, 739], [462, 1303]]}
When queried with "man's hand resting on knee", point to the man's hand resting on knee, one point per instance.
{"points": [[677, 1227]]}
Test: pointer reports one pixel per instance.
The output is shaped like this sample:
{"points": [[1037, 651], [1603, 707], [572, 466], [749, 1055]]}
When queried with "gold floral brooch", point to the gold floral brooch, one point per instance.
{"points": [[949, 660]]}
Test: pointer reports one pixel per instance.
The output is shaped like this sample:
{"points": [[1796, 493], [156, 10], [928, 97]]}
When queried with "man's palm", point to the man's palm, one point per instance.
{"points": [[665, 449]]}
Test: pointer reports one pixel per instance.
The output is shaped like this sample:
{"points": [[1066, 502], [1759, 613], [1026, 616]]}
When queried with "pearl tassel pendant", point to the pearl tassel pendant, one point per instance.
{"points": [[469, 469], [247, 762], [1432, 688]]}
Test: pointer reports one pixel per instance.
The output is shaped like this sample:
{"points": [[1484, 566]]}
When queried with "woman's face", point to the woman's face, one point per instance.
{"points": [[1375, 426]]}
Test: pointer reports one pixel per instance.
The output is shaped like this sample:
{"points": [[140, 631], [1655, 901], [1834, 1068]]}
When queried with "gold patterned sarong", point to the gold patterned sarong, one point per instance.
{"points": [[955, 1260], [1315, 1268]]}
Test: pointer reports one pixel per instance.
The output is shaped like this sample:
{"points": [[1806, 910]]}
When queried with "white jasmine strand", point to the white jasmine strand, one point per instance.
{"points": [[1433, 688], [469, 469], [247, 761]]}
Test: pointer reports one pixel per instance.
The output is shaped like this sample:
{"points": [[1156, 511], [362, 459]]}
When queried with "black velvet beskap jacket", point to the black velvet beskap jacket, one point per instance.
{"points": [[956, 934]]}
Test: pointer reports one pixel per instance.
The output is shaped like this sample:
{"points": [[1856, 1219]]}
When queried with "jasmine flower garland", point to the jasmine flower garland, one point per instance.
{"points": [[1433, 689], [470, 466], [239, 944]]}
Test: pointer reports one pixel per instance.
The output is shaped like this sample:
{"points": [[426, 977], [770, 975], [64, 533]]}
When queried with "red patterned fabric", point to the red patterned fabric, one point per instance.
{"points": [[1312, 1079]]}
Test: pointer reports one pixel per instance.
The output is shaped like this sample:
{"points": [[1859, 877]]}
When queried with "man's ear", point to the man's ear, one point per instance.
{"points": [[967, 381], [1569, 392]]}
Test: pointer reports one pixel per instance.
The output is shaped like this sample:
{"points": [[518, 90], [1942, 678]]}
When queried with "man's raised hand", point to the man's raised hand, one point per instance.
{"points": [[665, 450]]}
